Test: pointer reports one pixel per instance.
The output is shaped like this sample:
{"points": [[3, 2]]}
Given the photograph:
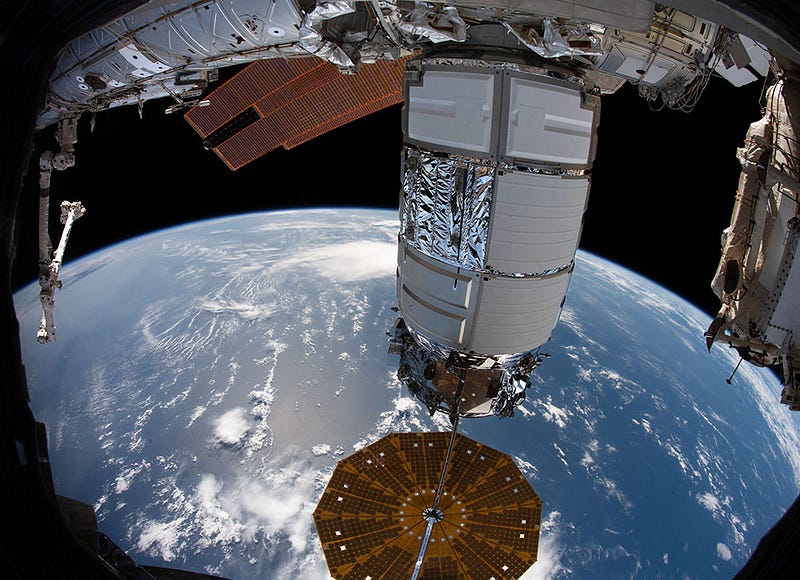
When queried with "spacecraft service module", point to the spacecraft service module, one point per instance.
{"points": [[501, 109]]}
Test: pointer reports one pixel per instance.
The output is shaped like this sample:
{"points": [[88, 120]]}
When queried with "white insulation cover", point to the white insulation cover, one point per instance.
{"points": [[517, 314], [469, 311], [452, 109], [536, 222], [547, 122]]}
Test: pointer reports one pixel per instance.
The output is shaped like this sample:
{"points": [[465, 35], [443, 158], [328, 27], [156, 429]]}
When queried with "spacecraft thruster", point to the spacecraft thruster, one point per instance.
{"points": [[758, 279], [495, 184]]}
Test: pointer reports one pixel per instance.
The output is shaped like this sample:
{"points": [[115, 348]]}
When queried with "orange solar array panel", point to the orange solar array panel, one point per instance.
{"points": [[371, 517], [279, 102]]}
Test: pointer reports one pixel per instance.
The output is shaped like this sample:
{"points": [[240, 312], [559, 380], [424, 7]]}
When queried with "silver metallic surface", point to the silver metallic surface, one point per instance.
{"points": [[173, 48], [167, 50], [418, 355], [49, 275], [437, 25], [446, 207], [757, 279], [311, 36], [484, 63], [567, 38]]}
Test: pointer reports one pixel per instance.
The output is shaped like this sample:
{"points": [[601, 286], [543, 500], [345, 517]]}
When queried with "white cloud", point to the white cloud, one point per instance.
{"points": [[723, 551], [216, 525], [127, 475], [243, 513], [279, 503], [548, 561], [161, 539], [231, 426], [554, 414], [778, 417], [709, 501], [526, 467], [321, 449], [613, 492], [241, 309], [348, 262], [408, 414]]}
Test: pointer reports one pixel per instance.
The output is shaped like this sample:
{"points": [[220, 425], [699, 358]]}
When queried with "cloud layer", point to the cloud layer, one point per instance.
{"points": [[348, 262]]}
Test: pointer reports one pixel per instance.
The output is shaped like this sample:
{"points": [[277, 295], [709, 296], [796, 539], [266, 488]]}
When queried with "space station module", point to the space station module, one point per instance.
{"points": [[495, 184]]}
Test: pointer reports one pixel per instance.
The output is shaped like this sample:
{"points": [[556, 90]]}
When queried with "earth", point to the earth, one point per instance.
{"points": [[206, 379]]}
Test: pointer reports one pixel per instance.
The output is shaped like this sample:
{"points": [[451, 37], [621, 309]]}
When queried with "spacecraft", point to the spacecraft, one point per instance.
{"points": [[537, 73], [757, 280], [428, 505], [496, 161], [501, 109]]}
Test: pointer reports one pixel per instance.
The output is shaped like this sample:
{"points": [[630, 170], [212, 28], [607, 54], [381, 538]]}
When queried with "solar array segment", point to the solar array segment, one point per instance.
{"points": [[370, 522], [294, 101]]}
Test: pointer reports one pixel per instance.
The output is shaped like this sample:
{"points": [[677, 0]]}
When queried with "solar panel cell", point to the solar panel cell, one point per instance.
{"points": [[491, 515], [296, 99]]}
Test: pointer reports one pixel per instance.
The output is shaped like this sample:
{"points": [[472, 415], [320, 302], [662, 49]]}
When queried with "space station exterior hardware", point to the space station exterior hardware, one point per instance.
{"points": [[758, 279], [495, 185], [502, 105], [50, 268], [286, 102], [50, 260], [174, 50]]}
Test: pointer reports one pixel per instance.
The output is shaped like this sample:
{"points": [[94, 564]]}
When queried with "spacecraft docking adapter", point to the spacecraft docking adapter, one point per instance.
{"points": [[496, 166]]}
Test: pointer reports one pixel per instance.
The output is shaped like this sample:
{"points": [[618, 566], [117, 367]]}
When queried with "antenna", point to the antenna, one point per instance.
{"points": [[730, 378]]}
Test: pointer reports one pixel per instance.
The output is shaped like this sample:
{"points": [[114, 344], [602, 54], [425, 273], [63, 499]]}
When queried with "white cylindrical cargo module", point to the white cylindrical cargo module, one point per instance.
{"points": [[495, 186]]}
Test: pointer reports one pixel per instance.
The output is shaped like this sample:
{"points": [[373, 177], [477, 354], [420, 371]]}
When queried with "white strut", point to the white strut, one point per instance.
{"points": [[48, 279]]}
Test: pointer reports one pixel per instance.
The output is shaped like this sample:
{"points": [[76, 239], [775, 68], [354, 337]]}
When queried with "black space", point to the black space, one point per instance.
{"points": [[663, 183]]}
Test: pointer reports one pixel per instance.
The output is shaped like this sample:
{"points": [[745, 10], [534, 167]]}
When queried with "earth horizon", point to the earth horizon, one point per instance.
{"points": [[207, 378]]}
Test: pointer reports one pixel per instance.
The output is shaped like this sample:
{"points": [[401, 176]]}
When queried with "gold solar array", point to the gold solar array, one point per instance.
{"points": [[370, 522], [292, 101]]}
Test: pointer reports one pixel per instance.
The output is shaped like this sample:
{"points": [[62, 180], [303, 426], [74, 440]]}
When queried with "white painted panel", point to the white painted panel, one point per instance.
{"points": [[736, 76], [426, 317], [633, 15], [629, 61], [536, 222], [435, 297], [144, 66], [517, 314], [654, 72], [452, 109], [759, 55], [546, 123], [787, 312], [773, 262], [426, 277]]}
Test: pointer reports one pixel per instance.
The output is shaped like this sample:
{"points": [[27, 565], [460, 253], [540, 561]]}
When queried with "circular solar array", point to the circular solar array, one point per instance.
{"points": [[374, 513]]}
